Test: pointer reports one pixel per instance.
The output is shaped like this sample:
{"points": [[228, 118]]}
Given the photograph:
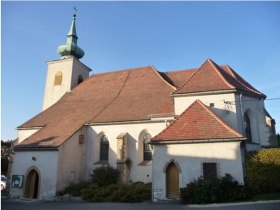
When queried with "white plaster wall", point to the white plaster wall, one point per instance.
{"points": [[25, 133], [255, 110], [189, 157], [54, 92], [70, 69], [71, 161], [46, 163], [225, 111], [79, 69], [139, 172]]}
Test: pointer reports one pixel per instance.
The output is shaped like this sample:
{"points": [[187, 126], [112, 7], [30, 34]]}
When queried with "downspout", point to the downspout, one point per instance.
{"points": [[241, 109], [243, 144]]}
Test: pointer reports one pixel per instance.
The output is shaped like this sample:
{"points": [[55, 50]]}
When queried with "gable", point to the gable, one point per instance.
{"points": [[211, 77], [197, 122]]}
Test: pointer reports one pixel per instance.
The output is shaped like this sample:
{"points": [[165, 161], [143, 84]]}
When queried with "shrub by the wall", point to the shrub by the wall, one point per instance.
{"points": [[104, 176], [74, 189], [135, 192], [263, 171], [213, 190]]}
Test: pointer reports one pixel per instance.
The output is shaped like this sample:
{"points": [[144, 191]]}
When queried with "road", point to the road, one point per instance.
{"points": [[43, 205]]}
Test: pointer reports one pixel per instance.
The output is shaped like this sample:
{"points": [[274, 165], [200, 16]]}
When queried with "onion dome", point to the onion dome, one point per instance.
{"points": [[70, 48]]}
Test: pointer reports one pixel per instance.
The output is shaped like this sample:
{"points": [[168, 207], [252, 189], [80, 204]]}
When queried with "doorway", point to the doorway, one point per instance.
{"points": [[172, 181], [32, 185]]}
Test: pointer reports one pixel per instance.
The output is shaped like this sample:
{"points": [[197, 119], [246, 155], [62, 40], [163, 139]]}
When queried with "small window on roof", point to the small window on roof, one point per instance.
{"points": [[58, 78]]}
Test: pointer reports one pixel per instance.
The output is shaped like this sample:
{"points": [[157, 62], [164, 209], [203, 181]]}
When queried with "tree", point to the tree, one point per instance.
{"points": [[6, 147]]}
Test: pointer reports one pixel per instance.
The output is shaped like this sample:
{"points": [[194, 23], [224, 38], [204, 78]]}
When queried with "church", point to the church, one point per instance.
{"points": [[167, 128]]}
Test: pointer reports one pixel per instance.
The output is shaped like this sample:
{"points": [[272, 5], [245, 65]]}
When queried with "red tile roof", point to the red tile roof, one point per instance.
{"points": [[197, 122], [127, 95], [211, 77], [178, 78]]}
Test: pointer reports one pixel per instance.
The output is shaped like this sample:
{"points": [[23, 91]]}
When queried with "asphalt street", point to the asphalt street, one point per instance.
{"points": [[43, 205]]}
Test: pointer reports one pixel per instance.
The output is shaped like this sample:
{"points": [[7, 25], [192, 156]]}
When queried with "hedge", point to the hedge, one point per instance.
{"points": [[135, 192], [213, 190], [263, 171]]}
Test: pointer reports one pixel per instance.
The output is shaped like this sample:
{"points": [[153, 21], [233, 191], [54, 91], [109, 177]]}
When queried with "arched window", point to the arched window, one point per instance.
{"points": [[80, 79], [147, 153], [58, 78], [104, 149], [247, 127]]}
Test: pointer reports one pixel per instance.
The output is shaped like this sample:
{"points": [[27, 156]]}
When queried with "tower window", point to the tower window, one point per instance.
{"points": [[80, 79], [58, 78]]}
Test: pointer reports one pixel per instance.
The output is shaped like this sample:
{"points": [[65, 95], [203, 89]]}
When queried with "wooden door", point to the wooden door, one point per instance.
{"points": [[31, 186], [172, 181]]}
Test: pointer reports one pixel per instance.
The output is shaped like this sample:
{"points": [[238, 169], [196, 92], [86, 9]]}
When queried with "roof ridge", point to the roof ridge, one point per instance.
{"points": [[216, 67], [180, 70], [245, 83], [122, 70], [187, 80], [154, 69]]}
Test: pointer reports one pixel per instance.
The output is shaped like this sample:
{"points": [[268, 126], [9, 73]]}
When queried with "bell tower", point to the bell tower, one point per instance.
{"points": [[67, 72]]}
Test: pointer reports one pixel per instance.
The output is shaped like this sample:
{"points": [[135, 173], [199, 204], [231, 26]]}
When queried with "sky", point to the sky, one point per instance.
{"points": [[120, 35]]}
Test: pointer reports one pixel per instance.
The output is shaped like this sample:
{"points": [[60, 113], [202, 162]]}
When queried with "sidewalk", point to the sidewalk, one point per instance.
{"points": [[230, 204]]}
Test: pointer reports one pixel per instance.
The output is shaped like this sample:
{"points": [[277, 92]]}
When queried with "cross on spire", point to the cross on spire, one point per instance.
{"points": [[74, 10]]}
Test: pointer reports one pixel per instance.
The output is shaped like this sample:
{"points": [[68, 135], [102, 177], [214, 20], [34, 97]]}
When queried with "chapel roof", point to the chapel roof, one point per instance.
{"points": [[211, 77], [128, 95], [197, 122], [122, 96]]}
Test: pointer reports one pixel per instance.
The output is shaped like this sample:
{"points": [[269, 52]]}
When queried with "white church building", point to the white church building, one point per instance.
{"points": [[161, 127]]}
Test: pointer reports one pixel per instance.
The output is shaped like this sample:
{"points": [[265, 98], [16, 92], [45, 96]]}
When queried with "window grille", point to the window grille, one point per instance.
{"points": [[209, 170]]}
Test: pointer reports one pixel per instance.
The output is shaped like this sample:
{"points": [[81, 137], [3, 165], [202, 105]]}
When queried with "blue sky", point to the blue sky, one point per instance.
{"points": [[119, 35]]}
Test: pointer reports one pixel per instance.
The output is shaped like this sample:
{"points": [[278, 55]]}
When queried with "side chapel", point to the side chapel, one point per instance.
{"points": [[161, 127]]}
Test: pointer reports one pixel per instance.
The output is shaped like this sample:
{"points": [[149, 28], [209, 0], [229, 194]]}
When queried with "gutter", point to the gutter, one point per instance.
{"points": [[195, 141], [155, 120], [26, 149]]}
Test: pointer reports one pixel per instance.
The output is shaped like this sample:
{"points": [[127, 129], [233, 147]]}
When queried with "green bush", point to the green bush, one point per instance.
{"points": [[213, 190], [136, 192], [74, 189], [263, 171], [104, 176]]}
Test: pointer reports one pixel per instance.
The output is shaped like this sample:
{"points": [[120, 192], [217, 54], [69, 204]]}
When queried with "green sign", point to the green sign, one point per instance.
{"points": [[17, 181]]}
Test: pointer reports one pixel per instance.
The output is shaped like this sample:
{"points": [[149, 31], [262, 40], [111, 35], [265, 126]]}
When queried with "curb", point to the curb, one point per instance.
{"points": [[230, 204]]}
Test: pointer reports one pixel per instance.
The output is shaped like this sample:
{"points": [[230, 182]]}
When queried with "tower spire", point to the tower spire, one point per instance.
{"points": [[71, 48]]}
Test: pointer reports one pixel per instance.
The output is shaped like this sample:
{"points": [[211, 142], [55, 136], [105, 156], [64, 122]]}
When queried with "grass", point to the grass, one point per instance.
{"points": [[265, 197]]}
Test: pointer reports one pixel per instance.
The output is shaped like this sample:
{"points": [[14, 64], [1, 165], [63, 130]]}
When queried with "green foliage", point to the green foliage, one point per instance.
{"points": [[136, 192], [74, 189], [104, 176], [213, 190], [263, 171], [4, 166]]}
